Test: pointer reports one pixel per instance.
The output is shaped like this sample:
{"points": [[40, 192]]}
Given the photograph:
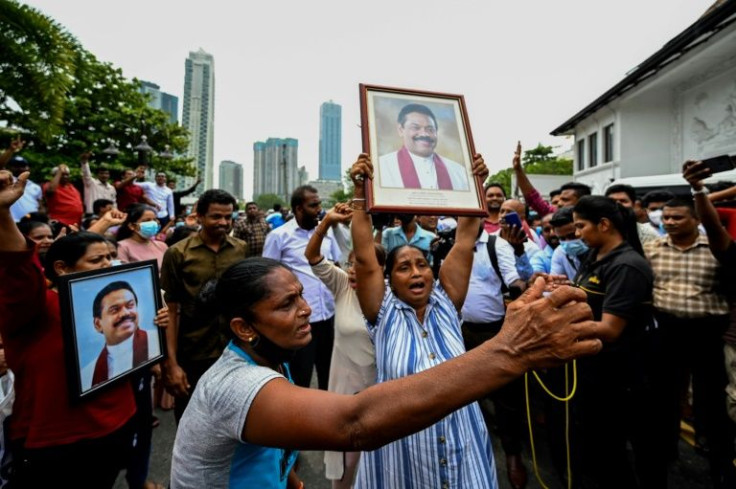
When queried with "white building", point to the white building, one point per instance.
{"points": [[679, 103], [199, 114]]}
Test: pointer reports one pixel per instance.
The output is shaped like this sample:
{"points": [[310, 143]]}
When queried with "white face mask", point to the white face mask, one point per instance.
{"points": [[655, 217], [115, 262]]}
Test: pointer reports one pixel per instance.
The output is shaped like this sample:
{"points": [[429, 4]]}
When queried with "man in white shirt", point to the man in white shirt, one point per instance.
{"points": [[96, 188], [483, 315], [416, 165], [116, 317], [32, 198], [287, 244], [162, 195]]}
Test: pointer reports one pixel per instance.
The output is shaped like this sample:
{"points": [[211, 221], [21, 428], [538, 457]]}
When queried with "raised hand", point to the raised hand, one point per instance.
{"points": [[341, 213], [479, 167], [17, 144], [361, 169], [516, 162], [11, 190], [695, 172]]}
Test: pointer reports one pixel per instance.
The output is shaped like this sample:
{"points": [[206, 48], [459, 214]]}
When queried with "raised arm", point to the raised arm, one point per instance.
{"points": [[537, 332], [86, 172], [185, 192], [531, 196], [11, 238], [369, 274], [718, 238], [455, 270], [56, 179], [340, 213], [15, 146]]}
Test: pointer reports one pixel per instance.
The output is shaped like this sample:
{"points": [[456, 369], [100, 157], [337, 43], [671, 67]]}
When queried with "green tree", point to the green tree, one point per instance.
{"points": [[267, 201], [99, 105], [536, 161], [37, 62], [343, 195]]}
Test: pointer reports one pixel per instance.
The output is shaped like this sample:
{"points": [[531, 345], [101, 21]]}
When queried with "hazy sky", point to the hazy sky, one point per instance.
{"points": [[524, 67]]}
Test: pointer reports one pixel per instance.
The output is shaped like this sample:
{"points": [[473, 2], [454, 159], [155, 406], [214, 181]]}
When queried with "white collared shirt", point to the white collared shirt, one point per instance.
{"points": [[96, 190], [484, 301], [287, 244], [390, 174], [119, 358]]}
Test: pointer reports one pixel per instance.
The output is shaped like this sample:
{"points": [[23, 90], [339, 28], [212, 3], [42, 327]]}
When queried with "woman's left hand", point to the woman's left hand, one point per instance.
{"points": [[162, 317]]}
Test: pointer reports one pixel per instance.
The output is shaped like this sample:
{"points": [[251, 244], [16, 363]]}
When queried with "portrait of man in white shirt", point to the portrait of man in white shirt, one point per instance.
{"points": [[416, 164]]}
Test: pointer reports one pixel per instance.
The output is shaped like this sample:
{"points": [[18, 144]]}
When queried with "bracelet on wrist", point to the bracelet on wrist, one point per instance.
{"points": [[703, 191]]}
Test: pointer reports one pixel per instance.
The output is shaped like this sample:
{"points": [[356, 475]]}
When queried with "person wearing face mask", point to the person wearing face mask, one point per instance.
{"points": [[565, 259], [55, 441], [653, 202], [136, 236]]}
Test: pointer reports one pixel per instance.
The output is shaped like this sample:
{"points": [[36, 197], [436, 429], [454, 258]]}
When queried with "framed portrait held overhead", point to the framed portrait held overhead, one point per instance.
{"points": [[422, 151], [107, 319]]}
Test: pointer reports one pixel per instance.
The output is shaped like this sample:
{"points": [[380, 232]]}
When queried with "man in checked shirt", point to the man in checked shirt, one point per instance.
{"points": [[253, 229], [693, 313]]}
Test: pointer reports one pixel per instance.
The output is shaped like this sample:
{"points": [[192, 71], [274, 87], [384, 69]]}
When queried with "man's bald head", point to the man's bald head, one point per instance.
{"points": [[513, 205]]}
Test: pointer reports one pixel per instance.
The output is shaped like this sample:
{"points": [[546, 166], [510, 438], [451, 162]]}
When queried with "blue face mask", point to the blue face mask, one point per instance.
{"points": [[149, 229], [236, 214], [538, 229], [574, 247]]}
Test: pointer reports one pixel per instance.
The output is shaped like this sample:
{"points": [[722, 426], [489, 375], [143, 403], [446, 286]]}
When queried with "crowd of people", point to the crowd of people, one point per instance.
{"points": [[419, 330]]}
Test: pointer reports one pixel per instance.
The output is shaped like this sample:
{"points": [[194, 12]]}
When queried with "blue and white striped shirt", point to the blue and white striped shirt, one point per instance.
{"points": [[453, 453]]}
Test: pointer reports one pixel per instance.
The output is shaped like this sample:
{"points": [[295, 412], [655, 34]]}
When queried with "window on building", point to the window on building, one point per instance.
{"points": [[593, 150], [608, 143], [581, 155]]}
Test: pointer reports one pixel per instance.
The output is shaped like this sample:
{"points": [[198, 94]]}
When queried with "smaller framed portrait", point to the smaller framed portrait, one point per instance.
{"points": [[107, 318], [422, 151]]}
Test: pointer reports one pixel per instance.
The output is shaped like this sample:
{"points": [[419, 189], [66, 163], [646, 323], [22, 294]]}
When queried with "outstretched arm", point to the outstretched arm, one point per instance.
{"points": [[537, 332], [456, 268], [369, 273], [15, 146], [718, 238]]}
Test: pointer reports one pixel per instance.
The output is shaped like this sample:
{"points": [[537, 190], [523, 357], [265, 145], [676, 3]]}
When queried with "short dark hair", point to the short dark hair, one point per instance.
{"points": [[418, 108], [251, 203], [214, 196], [69, 249], [554, 193], [580, 189], [682, 202], [562, 217], [299, 195], [494, 184], [622, 187], [277, 207], [657, 196], [26, 226], [109, 289], [98, 204]]}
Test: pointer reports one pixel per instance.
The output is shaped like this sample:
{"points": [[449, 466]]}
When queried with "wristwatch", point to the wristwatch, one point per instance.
{"points": [[703, 191]]}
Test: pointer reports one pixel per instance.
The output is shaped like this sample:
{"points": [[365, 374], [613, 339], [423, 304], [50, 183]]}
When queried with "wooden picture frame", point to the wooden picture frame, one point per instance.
{"points": [[107, 319], [422, 151]]}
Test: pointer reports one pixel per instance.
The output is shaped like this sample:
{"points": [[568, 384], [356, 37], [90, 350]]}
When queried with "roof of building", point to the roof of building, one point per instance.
{"points": [[718, 16]]}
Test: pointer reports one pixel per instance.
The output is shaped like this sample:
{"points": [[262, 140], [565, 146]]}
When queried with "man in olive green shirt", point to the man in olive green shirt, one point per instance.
{"points": [[195, 337]]}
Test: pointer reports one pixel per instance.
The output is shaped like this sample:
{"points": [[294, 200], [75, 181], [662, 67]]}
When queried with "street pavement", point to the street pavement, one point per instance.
{"points": [[690, 472]]}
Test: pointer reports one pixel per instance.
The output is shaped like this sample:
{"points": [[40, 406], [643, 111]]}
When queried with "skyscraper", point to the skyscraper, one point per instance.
{"points": [[231, 178], [330, 141], [275, 167], [199, 113], [161, 100]]}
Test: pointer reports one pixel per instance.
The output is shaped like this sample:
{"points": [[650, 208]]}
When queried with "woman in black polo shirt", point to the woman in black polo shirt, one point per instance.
{"points": [[614, 403]]}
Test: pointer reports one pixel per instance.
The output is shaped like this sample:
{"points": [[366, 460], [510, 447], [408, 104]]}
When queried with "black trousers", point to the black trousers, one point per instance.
{"points": [[695, 346], [318, 353], [194, 369], [140, 456], [86, 464], [508, 401]]}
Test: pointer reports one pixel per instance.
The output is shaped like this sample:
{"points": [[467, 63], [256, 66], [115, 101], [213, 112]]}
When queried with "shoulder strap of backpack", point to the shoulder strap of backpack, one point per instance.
{"points": [[491, 247]]}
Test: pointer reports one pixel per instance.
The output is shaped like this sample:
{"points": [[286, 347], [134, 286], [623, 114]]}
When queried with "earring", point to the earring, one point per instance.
{"points": [[254, 340]]}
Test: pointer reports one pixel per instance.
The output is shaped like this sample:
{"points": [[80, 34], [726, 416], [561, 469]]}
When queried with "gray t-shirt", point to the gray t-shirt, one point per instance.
{"points": [[209, 433]]}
